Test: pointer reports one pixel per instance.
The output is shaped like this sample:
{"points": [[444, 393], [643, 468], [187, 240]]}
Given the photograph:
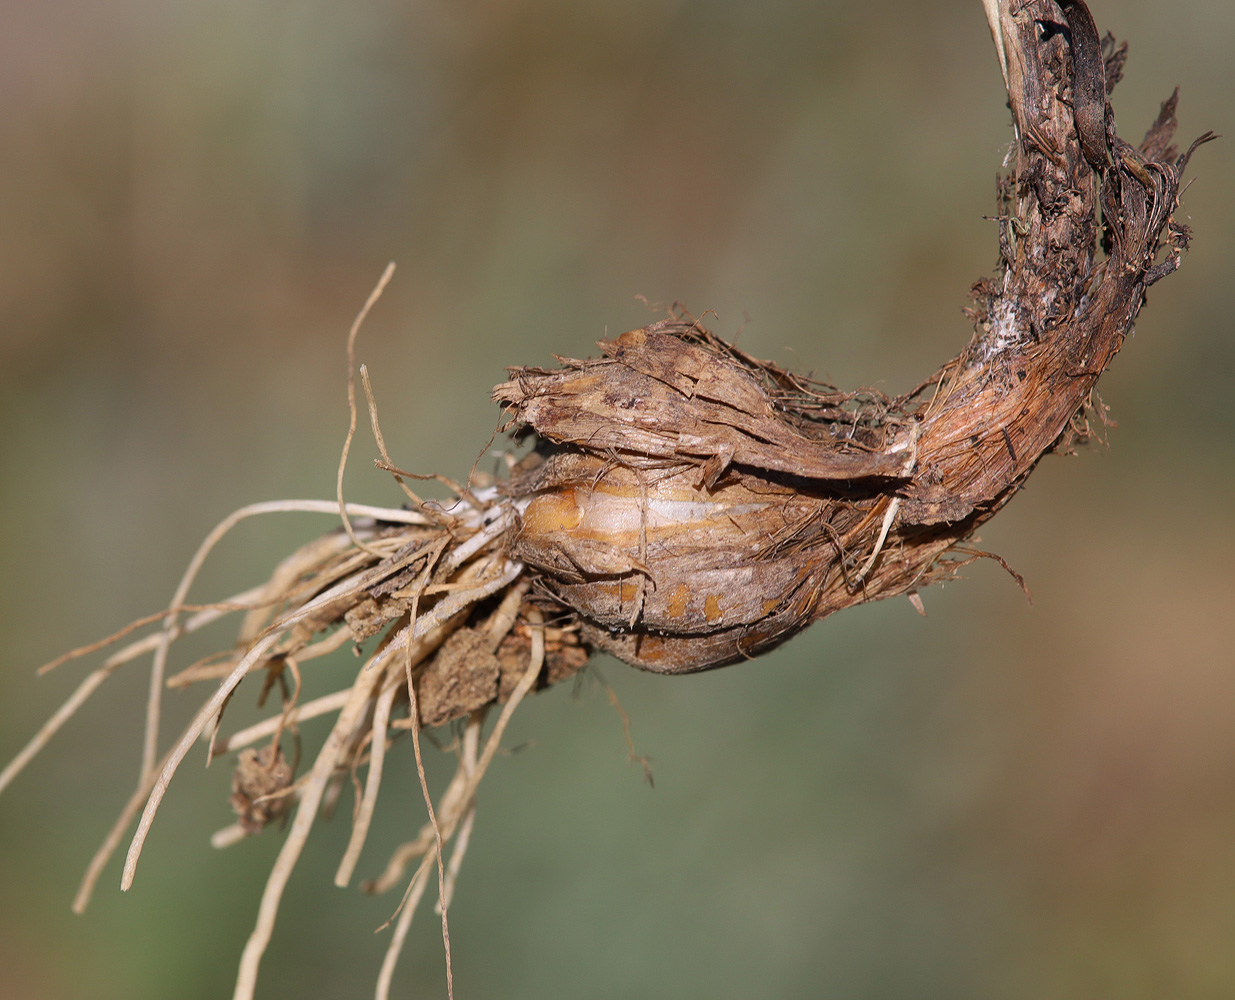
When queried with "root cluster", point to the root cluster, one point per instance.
{"points": [[456, 634]]}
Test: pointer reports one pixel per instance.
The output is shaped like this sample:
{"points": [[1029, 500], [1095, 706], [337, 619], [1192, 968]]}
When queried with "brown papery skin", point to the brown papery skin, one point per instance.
{"points": [[690, 506]]}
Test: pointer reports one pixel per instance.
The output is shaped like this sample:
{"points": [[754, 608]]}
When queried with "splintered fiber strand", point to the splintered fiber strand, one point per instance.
{"points": [[888, 518], [513, 596], [499, 624], [450, 804], [154, 700], [373, 781], [407, 852]]}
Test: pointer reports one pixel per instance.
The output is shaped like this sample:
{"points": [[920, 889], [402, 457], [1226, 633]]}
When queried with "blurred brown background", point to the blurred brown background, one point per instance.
{"points": [[995, 801]]}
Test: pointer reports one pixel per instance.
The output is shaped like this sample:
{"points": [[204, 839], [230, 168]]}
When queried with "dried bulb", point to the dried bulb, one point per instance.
{"points": [[677, 506]]}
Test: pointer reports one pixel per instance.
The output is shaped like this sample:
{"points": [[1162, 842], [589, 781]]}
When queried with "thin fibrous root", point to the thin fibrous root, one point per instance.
{"points": [[328, 760], [150, 741], [423, 635], [455, 810], [377, 756], [309, 710]]}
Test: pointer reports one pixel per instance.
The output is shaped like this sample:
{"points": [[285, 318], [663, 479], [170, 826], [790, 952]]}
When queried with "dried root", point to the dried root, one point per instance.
{"points": [[683, 505], [454, 631]]}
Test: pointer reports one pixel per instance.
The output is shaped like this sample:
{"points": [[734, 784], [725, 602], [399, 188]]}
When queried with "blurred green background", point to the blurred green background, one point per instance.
{"points": [[995, 801]]}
